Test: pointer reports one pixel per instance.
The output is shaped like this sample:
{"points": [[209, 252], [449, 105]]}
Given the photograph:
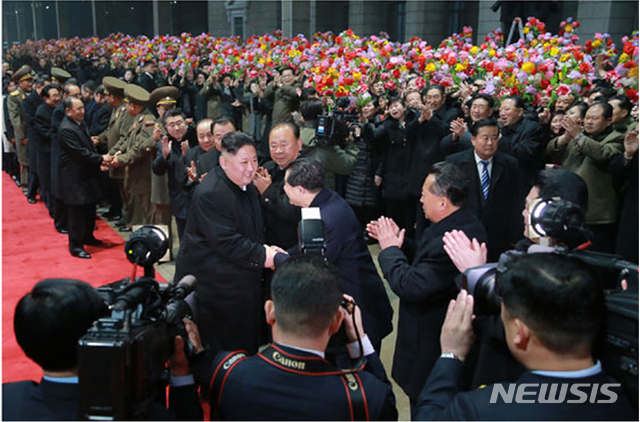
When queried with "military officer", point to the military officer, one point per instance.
{"points": [[24, 79], [136, 154]]}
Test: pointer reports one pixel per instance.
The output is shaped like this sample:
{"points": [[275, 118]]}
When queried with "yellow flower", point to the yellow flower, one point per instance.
{"points": [[474, 50], [623, 58], [263, 47], [596, 43], [568, 28], [554, 51], [633, 73], [261, 60], [528, 67], [526, 30], [357, 76], [492, 53], [534, 43], [431, 67], [460, 67], [564, 57]]}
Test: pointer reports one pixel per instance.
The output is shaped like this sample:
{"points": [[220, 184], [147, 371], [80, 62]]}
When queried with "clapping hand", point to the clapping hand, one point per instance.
{"points": [[166, 146], [458, 128], [262, 180], [386, 232], [631, 144], [464, 253], [192, 171], [457, 330], [425, 113], [184, 147]]}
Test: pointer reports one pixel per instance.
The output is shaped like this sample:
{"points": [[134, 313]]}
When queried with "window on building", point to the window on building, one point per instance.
{"points": [[237, 26]]}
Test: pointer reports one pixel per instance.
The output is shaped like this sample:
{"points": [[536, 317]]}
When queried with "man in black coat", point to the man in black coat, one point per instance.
{"points": [[522, 139], [304, 311], [281, 218], [59, 207], [211, 159], [345, 245], [492, 194], [79, 166], [206, 143], [101, 114], [51, 95], [29, 107], [423, 278], [146, 79], [171, 160], [546, 330], [223, 247]]}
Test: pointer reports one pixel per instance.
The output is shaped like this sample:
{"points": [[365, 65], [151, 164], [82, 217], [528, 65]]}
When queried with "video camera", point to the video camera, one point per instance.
{"points": [[334, 127], [563, 221], [122, 358]]}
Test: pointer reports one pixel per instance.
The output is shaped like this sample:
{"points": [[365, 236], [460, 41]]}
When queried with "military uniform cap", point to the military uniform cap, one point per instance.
{"points": [[136, 94], [23, 73], [61, 75], [113, 86], [164, 95]]}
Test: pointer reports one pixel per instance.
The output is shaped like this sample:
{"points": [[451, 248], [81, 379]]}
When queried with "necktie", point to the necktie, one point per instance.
{"points": [[486, 180]]}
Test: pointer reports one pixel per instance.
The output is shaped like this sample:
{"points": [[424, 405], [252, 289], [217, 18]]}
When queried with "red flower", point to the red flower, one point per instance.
{"points": [[628, 48], [578, 56], [409, 65], [584, 67], [630, 64], [338, 40], [563, 90], [632, 94], [396, 73], [544, 83]]}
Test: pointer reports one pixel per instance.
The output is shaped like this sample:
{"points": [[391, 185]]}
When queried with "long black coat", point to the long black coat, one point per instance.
{"points": [[524, 142], [424, 282], [29, 107], [223, 248], [79, 165], [500, 212], [175, 166], [56, 119], [42, 130]]}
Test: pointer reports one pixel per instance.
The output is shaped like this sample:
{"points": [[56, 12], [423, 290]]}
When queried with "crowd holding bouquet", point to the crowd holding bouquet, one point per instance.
{"points": [[542, 64]]}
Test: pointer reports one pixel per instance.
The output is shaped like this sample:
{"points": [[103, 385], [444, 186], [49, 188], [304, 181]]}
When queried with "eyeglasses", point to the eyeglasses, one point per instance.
{"points": [[175, 124]]}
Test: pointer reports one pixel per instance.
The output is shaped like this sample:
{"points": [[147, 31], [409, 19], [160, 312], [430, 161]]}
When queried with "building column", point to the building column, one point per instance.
{"points": [[312, 19], [287, 18], [488, 20]]}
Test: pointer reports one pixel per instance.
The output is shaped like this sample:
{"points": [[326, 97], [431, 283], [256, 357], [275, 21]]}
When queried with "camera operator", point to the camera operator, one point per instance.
{"points": [[345, 245], [549, 332], [290, 379], [48, 323], [334, 158]]}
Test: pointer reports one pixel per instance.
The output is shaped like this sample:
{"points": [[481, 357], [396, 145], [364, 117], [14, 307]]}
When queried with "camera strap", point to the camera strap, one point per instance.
{"points": [[220, 376], [317, 366]]}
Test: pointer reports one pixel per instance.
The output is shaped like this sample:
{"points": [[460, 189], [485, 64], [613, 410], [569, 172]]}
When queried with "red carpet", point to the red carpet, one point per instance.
{"points": [[33, 250]]}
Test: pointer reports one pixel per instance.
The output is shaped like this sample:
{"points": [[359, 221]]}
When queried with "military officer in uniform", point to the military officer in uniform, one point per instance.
{"points": [[163, 98], [117, 129], [59, 76], [136, 155], [24, 79]]}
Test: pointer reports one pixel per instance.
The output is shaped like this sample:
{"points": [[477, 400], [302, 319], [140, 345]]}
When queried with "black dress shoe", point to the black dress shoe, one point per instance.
{"points": [[31, 200], [114, 218], [94, 242], [62, 231], [125, 229], [120, 223], [80, 253]]}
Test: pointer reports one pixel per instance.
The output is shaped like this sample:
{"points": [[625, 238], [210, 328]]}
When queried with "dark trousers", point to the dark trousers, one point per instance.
{"points": [[80, 221], [44, 177], [33, 183], [114, 197], [59, 214], [182, 224]]}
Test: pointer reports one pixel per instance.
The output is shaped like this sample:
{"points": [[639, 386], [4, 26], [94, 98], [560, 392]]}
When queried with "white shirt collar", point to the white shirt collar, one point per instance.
{"points": [[582, 373], [313, 352], [478, 159]]}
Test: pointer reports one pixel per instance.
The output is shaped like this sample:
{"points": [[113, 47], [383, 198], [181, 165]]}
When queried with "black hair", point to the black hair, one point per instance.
{"points": [[450, 182], [307, 173], [306, 293], [89, 85], [294, 128], [100, 90], [147, 63], [519, 102], [607, 109], [563, 184], [67, 87], [223, 121], [395, 99], [311, 109], [625, 103], [67, 103], [41, 80], [232, 142], [482, 123], [606, 91], [488, 98], [307, 92], [50, 320], [582, 107], [46, 89], [557, 297], [172, 113], [440, 89], [291, 68]]}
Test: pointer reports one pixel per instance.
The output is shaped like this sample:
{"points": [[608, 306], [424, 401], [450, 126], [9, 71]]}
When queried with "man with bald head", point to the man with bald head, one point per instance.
{"points": [[281, 218]]}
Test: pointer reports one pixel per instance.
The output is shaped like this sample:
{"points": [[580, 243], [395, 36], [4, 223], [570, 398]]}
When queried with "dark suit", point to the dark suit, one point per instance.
{"points": [[500, 212], [524, 142], [281, 219], [146, 81], [348, 252], [29, 106], [207, 161], [223, 248], [100, 119], [42, 128], [174, 165], [257, 390], [59, 207], [79, 169], [54, 401], [424, 282], [439, 401]]}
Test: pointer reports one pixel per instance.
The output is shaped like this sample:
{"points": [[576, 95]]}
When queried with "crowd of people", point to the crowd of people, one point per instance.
{"points": [[428, 171]]}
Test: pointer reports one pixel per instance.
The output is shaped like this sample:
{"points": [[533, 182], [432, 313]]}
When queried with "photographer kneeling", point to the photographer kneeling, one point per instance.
{"points": [[48, 323], [290, 379], [552, 309]]}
